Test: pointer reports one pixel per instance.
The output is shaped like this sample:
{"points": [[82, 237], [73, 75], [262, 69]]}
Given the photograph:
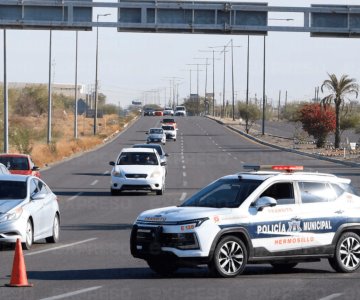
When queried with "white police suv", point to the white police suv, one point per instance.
{"points": [[275, 216]]}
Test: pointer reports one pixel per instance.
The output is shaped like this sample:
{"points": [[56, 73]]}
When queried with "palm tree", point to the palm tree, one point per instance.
{"points": [[338, 91]]}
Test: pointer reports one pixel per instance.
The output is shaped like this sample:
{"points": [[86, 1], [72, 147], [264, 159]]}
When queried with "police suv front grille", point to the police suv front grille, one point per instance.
{"points": [[145, 237]]}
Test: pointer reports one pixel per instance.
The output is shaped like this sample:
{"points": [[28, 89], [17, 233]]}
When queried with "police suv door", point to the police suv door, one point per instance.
{"points": [[275, 230]]}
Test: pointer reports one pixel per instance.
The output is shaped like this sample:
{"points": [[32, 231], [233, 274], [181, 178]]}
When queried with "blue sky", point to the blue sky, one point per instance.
{"points": [[131, 64]]}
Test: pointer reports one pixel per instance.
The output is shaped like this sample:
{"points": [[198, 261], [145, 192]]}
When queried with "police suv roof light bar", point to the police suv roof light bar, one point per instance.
{"points": [[285, 168]]}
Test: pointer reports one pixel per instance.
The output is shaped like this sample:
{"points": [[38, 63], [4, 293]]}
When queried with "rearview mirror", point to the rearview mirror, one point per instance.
{"points": [[38, 196]]}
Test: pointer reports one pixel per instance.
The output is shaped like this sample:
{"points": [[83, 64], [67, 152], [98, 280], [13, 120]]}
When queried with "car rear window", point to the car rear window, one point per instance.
{"points": [[15, 163]]}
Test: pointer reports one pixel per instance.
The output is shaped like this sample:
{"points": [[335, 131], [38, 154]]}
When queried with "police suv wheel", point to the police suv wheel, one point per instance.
{"points": [[162, 267], [347, 253], [230, 257]]}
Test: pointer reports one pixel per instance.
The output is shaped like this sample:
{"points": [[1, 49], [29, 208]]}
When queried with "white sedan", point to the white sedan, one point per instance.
{"points": [[138, 169], [29, 210], [170, 132]]}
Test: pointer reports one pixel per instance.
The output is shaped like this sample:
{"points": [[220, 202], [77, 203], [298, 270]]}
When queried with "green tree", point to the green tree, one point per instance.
{"points": [[339, 89], [251, 112]]}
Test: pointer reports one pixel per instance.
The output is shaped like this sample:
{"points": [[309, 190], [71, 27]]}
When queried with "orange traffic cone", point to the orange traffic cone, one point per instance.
{"points": [[18, 274]]}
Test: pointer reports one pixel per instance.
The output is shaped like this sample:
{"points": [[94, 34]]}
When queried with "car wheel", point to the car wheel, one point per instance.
{"points": [[115, 192], [29, 236], [284, 267], [161, 267], [347, 253], [161, 192], [229, 258], [55, 231]]}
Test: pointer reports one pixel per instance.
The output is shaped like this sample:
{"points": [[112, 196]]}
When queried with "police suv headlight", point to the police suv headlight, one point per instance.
{"points": [[195, 222]]}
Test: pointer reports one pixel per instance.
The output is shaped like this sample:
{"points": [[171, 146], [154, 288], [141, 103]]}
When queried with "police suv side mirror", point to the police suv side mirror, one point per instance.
{"points": [[263, 202], [112, 163], [163, 163]]}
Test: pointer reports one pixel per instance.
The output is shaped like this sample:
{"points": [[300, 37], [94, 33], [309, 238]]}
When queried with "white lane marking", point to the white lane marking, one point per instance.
{"points": [[219, 147], [184, 167], [235, 158], [185, 183], [94, 182], [60, 247], [183, 196], [184, 174], [62, 296], [75, 196], [229, 153], [106, 172], [332, 296]]}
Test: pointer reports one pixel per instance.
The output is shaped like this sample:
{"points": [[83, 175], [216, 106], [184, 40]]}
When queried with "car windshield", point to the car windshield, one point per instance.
{"points": [[229, 193], [151, 146], [168, 128], [156, 131], [15, 163], [137, 158], [168, 121], [11, 190]]}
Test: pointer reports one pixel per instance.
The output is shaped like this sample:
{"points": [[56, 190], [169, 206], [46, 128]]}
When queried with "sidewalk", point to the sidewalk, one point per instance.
{"points": [[343, 156]]}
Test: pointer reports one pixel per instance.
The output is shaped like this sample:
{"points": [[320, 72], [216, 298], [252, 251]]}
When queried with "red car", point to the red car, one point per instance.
{"points": [[19, 164], [159, 113]]}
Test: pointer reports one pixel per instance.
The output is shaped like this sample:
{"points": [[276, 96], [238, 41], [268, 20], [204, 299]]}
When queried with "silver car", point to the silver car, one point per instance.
{"points": [[156, 135], [29, 210]]}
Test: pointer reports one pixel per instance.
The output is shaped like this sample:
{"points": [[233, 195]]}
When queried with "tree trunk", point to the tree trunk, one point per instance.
{"points": [[337, 128]]}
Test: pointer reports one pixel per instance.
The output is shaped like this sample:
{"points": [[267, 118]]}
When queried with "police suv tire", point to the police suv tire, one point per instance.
{"points": [[283, 266], [230, 257], [162, 267], [347, 253]]}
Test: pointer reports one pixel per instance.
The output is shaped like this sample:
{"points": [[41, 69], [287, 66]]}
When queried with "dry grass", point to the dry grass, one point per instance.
{"points": [[63, 144]]}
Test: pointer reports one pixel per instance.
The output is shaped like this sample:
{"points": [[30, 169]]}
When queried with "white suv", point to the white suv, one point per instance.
{"points": [[276, 216], [138, 169]]}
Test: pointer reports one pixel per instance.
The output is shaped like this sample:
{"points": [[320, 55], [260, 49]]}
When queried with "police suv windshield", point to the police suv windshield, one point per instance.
{"points": [[229, 193]]}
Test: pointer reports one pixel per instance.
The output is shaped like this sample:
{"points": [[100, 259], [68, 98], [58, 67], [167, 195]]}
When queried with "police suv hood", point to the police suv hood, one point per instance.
{"points": [[7, 205], [174, 213]]}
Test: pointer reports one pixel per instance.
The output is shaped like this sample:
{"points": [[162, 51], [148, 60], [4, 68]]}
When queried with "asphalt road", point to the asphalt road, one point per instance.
{"points": [[93, 261]]}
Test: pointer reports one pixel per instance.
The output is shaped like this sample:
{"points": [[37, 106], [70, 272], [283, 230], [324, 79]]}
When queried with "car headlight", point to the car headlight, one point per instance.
{"points": [[11, 216], [116, 173], [155, 174]]}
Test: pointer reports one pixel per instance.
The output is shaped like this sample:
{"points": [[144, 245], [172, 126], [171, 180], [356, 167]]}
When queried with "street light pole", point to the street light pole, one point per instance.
{"points": [[6, 103], [96, 69], [264, 92], [232, 80], [247, 84], [76, 75], [49, 93]]}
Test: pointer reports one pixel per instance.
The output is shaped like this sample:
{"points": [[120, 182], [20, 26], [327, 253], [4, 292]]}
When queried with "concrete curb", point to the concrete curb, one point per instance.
{"points": [[317, 156]]}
